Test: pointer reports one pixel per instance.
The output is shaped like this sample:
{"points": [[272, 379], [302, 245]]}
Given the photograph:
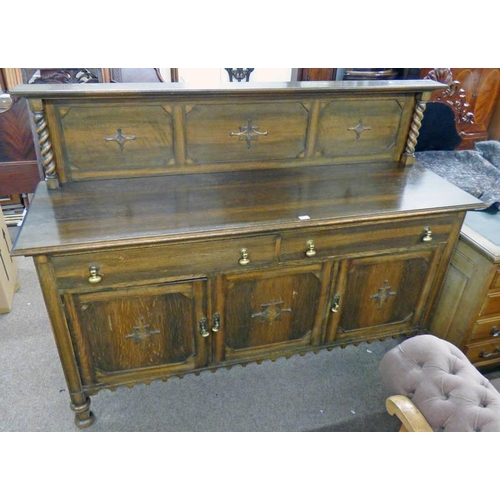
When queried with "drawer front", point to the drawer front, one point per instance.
{"points": [[360, 127], [111, 139], [496, 280], [491, 304], [363, 238], [158, 263], [483, 354], [486, 329], [245, 132]]}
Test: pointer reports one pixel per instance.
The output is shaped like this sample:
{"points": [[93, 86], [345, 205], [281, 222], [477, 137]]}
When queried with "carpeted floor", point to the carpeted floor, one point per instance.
{"points": [[338, 390]]}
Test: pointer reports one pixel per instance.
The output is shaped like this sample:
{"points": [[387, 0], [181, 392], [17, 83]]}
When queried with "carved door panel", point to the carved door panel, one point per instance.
{"points": [[265, 313], [146, 329], [376, 296]]}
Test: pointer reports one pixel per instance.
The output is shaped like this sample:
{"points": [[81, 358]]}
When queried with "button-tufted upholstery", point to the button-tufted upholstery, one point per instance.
{"points": [[442, 383]]}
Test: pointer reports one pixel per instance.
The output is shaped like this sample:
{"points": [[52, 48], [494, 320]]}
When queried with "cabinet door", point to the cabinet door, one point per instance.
{"points": [[379, 296], [148, 330], [265, 313]]}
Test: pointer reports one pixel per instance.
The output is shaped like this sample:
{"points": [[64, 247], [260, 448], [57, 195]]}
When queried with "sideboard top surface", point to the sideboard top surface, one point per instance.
{"points": [[142, 90], [103, 214]]}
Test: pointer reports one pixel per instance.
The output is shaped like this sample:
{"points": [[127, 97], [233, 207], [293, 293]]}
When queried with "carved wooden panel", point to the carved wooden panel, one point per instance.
{"points": [[138, 328], [246, 132], [376, 292], [359, 128], [262, 312], [65, 76], [129, 139]]}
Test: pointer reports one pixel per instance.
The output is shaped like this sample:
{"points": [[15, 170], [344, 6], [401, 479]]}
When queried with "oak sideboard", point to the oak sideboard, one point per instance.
{"points": [[181, 229]]}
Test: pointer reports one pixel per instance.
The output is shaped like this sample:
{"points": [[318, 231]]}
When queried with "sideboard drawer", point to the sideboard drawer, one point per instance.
{"points": [[122, 266], [106, 140], [484, 353], [363, 238], [486, 329], [491, 304], [246, 132]]}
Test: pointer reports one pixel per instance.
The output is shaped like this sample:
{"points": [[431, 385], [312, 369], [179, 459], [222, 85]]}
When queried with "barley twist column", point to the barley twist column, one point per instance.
{"points": [[409, 154]]}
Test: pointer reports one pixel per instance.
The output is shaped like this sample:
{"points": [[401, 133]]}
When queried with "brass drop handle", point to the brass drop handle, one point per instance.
{"points": [[216, 322], [94, 277], [244, 260], [311, 250], [485, 354], [495, 332], [427, 234], [203, 327], [335, 303]]}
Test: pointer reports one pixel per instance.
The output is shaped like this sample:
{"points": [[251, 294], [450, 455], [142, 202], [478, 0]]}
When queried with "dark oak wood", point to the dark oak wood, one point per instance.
{"points": [[196, 248]]}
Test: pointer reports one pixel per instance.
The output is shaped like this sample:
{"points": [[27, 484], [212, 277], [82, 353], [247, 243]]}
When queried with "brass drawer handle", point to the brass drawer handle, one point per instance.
{"points": [[486, 355], [94, 277], [495, 332], [311, 250], [427, 234], [203, 327], [244, 260]]}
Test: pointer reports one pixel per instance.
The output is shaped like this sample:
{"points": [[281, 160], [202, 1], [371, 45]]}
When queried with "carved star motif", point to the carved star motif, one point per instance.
{"points": [[383, 295], [359, 129], [270, 312], [120, 138], [248, 133], [141, 332]]}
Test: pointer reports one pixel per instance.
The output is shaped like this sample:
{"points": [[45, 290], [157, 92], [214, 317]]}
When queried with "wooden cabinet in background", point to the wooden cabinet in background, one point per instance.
{"points": [[468, 311], [316, 74], [200, 229], [473, 94], [19, 169]]}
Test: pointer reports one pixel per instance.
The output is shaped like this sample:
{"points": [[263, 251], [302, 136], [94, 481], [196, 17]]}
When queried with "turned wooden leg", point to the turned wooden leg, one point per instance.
{"points": [[83, 416]]}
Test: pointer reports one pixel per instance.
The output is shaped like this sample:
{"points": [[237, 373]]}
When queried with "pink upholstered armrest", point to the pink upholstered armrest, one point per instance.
{"points": [[442, 383]]}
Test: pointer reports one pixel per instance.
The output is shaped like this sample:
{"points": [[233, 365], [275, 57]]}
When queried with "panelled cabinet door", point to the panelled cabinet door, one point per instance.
{"points": [[266, 312], [378, 295], [145, 329]]}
